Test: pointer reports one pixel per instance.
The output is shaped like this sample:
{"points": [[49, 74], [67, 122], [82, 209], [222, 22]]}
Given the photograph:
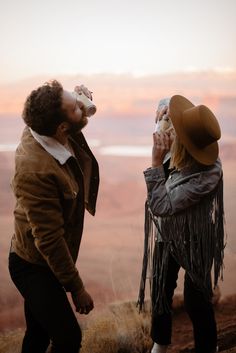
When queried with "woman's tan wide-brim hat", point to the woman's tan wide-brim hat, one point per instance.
{"points": [[197, 128]]}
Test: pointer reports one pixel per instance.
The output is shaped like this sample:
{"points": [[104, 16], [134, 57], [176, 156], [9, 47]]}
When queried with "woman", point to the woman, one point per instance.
{"points": [[184, 224]]}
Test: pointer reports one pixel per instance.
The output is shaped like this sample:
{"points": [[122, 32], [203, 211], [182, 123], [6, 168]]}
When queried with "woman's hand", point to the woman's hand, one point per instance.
{"points": [[161, 145]]}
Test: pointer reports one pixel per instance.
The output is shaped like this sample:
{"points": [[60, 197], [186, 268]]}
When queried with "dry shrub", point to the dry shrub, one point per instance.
{"points": [[118, 329], [11, 342]]}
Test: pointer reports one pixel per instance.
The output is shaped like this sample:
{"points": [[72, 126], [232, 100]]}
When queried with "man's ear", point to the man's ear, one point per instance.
{"points": [[63, 127]]}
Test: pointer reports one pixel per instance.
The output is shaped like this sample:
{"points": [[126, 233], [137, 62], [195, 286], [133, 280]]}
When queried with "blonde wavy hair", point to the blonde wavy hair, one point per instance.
{"points": [[180, 157]]}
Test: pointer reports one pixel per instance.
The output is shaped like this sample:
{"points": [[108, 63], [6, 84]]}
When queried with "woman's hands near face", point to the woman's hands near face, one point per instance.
{"points": [[161, 145]]}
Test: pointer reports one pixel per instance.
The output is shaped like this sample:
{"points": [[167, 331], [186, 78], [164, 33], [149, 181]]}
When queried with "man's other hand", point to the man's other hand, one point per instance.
{"points": [[83, 301]]}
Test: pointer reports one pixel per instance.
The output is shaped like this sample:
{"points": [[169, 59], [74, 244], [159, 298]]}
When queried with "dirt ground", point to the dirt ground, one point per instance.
{"points": [[225, 311]]}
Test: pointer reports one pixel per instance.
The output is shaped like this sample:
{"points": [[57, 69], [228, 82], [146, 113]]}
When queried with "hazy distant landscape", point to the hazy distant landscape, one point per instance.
{"points": [[111, 251]]}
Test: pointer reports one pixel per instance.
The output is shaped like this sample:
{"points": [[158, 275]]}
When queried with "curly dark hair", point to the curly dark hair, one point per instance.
{"points": [[43, 108]]}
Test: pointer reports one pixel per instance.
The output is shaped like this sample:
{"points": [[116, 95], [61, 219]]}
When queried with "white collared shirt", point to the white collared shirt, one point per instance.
{"points": [[53, 147]]}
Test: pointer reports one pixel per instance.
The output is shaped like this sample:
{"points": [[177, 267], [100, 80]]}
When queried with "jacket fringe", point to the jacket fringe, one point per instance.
{"points": [[195, 238]]}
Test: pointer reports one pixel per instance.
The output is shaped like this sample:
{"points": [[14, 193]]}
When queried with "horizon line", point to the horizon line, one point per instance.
{"points": [[187, 71]]}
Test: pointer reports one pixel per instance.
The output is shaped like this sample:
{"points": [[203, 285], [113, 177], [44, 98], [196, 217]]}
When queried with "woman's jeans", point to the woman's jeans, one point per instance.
{"points": [[48, 313], [199, 309]]}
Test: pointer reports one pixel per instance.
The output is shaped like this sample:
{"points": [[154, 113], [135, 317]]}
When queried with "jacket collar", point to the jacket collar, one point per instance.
{"points": [[53, 147]]}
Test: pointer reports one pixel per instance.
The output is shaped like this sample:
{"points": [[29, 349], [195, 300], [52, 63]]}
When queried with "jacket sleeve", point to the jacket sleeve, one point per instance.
{"points": [[38, 195], [167, 198]]}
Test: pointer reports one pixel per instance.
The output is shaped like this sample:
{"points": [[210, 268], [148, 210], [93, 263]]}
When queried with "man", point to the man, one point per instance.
{"points": [[56, 178]]}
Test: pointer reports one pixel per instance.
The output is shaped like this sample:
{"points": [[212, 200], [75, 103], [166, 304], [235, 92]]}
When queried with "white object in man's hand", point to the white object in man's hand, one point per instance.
{"points": [[85, 90]]}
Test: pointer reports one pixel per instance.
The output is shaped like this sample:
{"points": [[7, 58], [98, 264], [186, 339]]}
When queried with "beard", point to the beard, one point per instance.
{"points": [[76, 127]]}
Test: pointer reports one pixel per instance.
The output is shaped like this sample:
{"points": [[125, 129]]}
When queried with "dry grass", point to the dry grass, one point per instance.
{"points": [[117, 329], [11, 342], [120, 329]]}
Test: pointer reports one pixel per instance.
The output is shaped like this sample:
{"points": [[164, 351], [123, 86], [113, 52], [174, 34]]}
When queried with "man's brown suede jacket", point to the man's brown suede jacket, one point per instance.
{"points": [[51, 197]]}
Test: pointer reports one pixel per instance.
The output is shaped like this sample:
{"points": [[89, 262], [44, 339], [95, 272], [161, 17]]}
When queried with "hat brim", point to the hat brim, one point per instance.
{"points": [[207, 155]]}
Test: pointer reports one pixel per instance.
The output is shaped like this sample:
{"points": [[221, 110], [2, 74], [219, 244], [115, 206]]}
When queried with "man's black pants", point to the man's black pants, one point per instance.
{"points": [[199, 309], [48, 313]]}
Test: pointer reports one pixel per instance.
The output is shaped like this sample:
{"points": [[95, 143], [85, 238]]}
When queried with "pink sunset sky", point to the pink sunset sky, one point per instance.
{"points": [[57, 37]]}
